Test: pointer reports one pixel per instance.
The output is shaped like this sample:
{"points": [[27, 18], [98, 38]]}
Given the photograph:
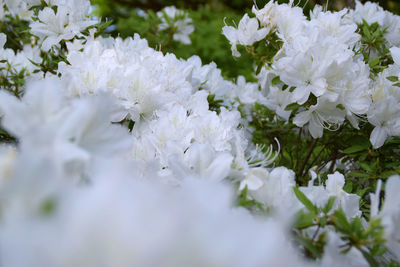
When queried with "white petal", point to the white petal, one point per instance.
{"points": [[315, 128], [318, 87], [301, 94], [335, 182], [230, 34], [378, 136], [219, 168], [3, 39], [396, 55], [302, 118]]}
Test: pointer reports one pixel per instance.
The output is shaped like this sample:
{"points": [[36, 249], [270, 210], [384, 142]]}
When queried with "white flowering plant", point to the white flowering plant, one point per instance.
{"points": [[164, 29], [332, 71], [117, 154]]}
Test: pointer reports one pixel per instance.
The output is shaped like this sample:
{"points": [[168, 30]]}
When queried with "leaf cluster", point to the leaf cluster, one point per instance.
{"points": [[368, 238], [374, 47]]}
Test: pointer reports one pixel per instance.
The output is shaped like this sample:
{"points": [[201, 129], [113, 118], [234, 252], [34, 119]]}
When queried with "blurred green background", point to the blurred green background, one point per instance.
{"points": [[109, 6], [208, 18]]}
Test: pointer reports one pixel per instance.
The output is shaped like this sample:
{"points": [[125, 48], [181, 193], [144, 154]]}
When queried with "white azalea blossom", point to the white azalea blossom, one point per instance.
{"points": [[246, 34], [389, 212], [68, 22], [141, 158], [320, 195], [179, 21]]}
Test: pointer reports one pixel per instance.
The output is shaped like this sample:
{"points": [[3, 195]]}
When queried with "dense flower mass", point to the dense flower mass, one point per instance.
{"points": [[320, 61], [118, 154]]}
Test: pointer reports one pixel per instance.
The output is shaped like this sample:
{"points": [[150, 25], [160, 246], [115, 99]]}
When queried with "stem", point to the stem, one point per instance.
{"points": [[314, 143], [335, 156], [298, 146], [316, 233], [332, 167], [169, 40], [317, 156], [13, 32]]}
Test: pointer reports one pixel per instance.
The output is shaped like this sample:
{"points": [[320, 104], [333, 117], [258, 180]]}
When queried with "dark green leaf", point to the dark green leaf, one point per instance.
{"points": [[303, 199], [393, 78], [276, 80]]}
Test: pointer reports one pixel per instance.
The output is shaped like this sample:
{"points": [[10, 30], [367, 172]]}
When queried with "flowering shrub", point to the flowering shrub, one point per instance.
{"points": [[116, 154]]}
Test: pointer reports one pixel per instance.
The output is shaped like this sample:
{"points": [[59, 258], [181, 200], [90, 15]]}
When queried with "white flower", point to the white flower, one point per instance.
{"points": [[73, 132], [201, 161], [246, 93], [179, 21], [333, 257], [370, 12], [43, 105], [2, 11], [348, 202], [334, 188], [334, 24], [53, 27], [20, 7], [384, 116], [246, 34], [278, 99], [395, 51], [3, 40], [390, 212], [255, 179], [274, 189], [117, 221], [305, 73], [324, 114], [275, 15]]}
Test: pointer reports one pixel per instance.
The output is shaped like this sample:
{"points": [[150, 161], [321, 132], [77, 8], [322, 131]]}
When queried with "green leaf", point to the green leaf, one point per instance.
{"points": [[348, 187], [358, 174], [387, 174], [340, 221], [308, 244], [303, 199], [259, 67], [393, 78], [377, 33], [354, 149], [48, 207], [276, 80], [292, 106], [304, 220], [329, 204], [374, 62], [357, 227], [366, 31], [366, 166], [370, 258], [323, 221], [396, 84], [362, 192], [340, 106]]}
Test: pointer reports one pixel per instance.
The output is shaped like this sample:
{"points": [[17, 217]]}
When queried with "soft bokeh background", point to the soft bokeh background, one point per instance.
{"points": [[110, 5], [209, 16]]}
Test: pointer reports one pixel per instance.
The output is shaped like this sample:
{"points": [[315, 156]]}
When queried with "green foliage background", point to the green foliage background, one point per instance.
{"points": [[208, 17]]}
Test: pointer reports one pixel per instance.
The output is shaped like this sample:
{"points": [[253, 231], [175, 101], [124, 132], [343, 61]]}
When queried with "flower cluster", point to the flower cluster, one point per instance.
{"points": [[319, 66], [124, 156]]}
